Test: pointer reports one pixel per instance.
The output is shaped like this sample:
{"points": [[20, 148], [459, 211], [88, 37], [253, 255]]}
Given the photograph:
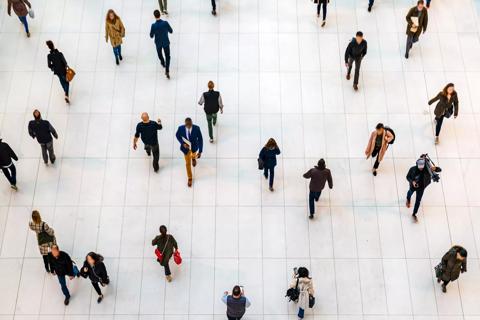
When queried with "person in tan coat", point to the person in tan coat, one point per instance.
{"points": [[378, 145], [20, 9], [114, 30], [304, 284]]}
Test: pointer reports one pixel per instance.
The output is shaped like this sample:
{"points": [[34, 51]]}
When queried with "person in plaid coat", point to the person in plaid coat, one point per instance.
{"points": [[44, 243]]}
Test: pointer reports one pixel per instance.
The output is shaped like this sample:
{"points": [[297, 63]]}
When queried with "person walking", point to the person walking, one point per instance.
{"points": [[191, 144], [378, 144], [319, 176], [418, 178], [6, 163], [147, 130], [370, 5], [44, 132], [304, 284], [166, 246], [45, 237], [446, 107], [163, 7], [58, 64], [62, 265], [453, 263], [94, 269], [356, 50], [115, 30], [417, 21], [213, 103], [322, 4], [160, 30], [268, 156], [21, 10], [236, 302]]}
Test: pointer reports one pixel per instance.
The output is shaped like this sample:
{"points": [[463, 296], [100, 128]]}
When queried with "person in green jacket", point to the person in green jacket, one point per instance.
{"points": [[453, 263], [167, 245]]}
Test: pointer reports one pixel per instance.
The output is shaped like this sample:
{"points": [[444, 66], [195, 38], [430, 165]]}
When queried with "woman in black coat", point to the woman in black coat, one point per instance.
{"points": [[95, 270], [268, 155], [453, 263], [447, 104], [57, 63], [6, 164]]}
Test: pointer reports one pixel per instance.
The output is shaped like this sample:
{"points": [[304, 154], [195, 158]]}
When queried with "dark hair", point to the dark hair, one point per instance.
{"points": [[50, 44], [302, 272], [420, 2], [163, 230], [379, 126], [359, 34], [188, 119], [463, 252], [321, 164], [156, 14], [236, 291], [271, 144], [95, 256], [107, 18], [444, 91], [39, 114]]}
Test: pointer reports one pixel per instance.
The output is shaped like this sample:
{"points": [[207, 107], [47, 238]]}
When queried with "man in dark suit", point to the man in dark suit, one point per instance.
{"points": [[191, 144], [160, 30]]}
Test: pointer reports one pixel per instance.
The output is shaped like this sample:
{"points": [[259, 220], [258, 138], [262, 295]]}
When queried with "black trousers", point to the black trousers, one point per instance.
{"points": [[418, 199], [324, 5], [214, 6], [46, 263], [411, 39], [155, 149], [167, 269], [233, 318], [312, 197], [164, 61], [438, 126], [11, 174], [97, 288], [376, 153], [358, 62]]}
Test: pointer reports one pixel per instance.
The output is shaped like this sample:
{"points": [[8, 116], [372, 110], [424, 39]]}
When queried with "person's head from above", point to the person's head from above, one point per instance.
{"points": [[36, 218], [421, 164], [188, 123], [359, 37], [302, 272], [420, 4], [92, 258], [461, 254], [321, 164], [156, 14], [145, 117], [163, 230], [50, 44], [380, 128], [211, 85], [111, 16], [449, 89], [55, 251], [237, 292], [36, 114], [271, 144]]}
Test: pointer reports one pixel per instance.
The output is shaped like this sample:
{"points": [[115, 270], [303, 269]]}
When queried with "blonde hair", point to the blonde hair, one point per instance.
{"points": [[36, 218]]}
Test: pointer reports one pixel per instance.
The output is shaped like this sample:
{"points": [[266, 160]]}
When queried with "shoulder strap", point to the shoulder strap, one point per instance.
{"points": [[43, 226], [165, 246]]}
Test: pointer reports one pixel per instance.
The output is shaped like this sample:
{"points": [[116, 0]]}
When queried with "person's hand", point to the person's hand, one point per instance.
{"points": [[415, 184], [199, 155], [221, 110], [159, 120], [185, 146], [134, 146], [226, 293], [85, 269], [71, 277], [346, 64]]}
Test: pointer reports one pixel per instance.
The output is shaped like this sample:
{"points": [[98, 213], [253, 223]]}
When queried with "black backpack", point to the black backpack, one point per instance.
{"points": [[393, 134], [293, 293]]}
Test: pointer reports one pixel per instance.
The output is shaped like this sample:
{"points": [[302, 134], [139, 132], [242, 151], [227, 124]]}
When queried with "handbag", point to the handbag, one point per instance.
{"points": [[293, 293], [439, 270], [159, 253], [311, 301], [43, 237], [31, 13], [177, 257], [70, 74], [260, 164]]}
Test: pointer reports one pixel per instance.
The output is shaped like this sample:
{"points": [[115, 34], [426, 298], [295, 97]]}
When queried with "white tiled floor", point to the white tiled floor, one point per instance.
{"points": [[281, 75]]}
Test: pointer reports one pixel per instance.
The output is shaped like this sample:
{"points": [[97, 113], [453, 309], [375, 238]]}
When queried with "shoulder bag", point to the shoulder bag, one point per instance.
{"points": [[159, 253], [43, 237]]}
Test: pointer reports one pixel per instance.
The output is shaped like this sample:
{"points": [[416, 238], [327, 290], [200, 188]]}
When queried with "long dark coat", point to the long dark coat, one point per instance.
{"points": [[452, 267], [166, 245], [422, 21]]}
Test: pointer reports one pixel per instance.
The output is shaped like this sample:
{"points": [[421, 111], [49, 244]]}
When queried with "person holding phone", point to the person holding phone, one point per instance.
{"points": [[236, 302]]}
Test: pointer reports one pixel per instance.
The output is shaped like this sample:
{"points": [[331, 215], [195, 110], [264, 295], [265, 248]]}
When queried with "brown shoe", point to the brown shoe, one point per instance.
{"points": [[189, 183], [169, 278], [348, 77], [407, 203], [355, 87], [194, 162]]}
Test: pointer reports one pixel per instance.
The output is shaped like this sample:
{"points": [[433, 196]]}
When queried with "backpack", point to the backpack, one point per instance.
{"points": [[293, 293], [43, 237], [393, 134]]}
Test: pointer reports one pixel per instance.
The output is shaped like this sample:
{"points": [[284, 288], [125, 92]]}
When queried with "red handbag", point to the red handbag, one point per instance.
{"points": [[177, 257], [159, 253]]}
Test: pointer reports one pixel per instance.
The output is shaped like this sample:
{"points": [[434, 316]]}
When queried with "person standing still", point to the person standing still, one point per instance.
{"points": [[378, 144], [191, 144], [237, 303], [160, 30], [114, 30], [57, 63], [417, 21], [163, 6], [44, 132], [147, 130], [6, 163], [446, 107], [213, 103], [167, 245], [21, 10], [319, 176], [62, 265], [322, 4], [268, 155], [356, 50], [45, 237]]}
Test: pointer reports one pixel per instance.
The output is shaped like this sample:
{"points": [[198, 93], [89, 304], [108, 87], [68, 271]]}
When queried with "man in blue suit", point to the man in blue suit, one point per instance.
{"points": [[191, 144], [160, 30]]}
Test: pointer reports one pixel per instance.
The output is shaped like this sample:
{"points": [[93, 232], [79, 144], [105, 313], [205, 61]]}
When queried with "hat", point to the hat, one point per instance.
{"points": [[421, 163]]}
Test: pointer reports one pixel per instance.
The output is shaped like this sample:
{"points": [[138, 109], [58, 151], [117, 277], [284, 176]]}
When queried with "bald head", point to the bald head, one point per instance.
{"points": [[145, 117]]}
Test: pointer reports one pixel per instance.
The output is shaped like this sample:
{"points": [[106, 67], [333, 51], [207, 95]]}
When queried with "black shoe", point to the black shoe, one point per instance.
{"points": [[310, 216], [374, 173], [444, 288], [415, 219], [167, 74], [369, 8], [52, 161], [156, 169], [214, 12], [116, 61], [66, 301], [149, 153], [266, 176], [100, 298], [406, 55], [121, 58], [67, 100]]}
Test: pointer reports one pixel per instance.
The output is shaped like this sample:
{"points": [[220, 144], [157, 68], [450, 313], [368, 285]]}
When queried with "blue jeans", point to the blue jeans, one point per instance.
{"points": [[301, 313], [23, 20], [312, 197], [64, 83], [117, 51], [428, 2], [63, 282], [418, 199], [370, 2], [271, 176]]}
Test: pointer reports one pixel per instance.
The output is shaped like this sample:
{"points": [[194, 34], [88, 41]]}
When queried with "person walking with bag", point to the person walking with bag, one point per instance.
{"points": [[62, 265], [417, 21], [57, 63], [237, 303], [45, 237], [378, 144], [453, 263], [166, 248], [213, 103], [319, 176], [6, 163], [446, 107], [21, 10], [303, 284], [114, 30], [355, 52], [44, 132], [268, 157], [94, 269]]}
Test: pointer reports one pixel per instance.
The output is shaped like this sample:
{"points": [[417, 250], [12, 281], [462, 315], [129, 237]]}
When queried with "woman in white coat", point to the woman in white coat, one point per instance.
{"points": [[304, 283]]}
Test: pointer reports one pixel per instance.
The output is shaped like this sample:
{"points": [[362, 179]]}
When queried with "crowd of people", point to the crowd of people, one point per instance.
{"points": [[190, 140]]}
